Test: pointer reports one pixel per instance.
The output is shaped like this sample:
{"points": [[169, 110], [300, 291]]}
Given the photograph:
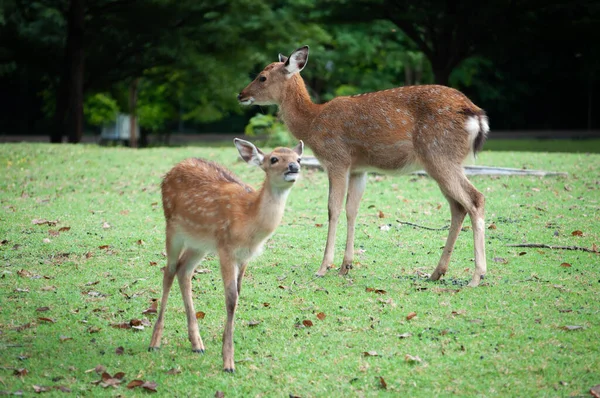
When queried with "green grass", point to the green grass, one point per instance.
{"points": [[503, 338], [573, 146]]}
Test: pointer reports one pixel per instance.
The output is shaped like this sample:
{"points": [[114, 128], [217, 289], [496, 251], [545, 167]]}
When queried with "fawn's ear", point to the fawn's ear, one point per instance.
{"points": [[248, 152], [297, 61], [282, 58], [299, 149]]}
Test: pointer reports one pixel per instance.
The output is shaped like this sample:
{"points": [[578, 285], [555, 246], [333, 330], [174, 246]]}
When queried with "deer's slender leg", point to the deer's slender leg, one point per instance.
{"points": [[356, 188], [189, 261], [458, 215], [173, 248], [230, 273], [338, 183]]}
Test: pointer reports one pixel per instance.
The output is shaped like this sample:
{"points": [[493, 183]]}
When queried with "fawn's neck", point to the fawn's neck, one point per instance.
{"points": [[297, 109], [270, 206]]}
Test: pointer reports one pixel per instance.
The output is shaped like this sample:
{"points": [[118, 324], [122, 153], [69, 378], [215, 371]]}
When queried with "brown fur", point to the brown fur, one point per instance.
{"points": [[395, 130], [208, 209]]}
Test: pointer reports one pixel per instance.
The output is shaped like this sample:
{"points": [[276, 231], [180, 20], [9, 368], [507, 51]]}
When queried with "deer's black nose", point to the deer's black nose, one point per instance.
{"points": [[239, 97], [293, 167]]}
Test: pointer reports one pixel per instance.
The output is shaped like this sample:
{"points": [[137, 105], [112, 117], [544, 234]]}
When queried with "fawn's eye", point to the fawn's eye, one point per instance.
{"points": [[274, 160], [262, 79], [299, 160]]}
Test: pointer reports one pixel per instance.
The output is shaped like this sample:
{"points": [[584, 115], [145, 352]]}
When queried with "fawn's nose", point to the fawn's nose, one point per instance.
{"points": [[239, 97], [293, 167]]}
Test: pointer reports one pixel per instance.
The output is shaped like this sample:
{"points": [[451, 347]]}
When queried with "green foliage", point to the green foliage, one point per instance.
{"points": [[100, 109], [506, 334], [275, 133]]}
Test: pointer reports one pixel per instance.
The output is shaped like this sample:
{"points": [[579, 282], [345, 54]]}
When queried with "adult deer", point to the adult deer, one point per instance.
{"points": [[398, 130], [208, 209]]}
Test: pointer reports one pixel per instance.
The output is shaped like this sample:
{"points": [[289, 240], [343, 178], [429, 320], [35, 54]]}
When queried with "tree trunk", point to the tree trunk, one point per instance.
{"points": [[133, 95], [68, 115]]}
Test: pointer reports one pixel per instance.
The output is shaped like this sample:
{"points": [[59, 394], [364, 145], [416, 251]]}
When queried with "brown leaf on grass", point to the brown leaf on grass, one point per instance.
{"points": [[522, 253], [459, 312], [62, 388], [382, 383], [266, 304], [53, 233], [135, 383], [380, 214], [21, 290], [92, 283], [23, 327], [283, 287], [23, 273], [48, 288], [404, 335], [3, 242], [370, 354], [20, 372], [221, 394], [318, 225], [152, 263], [110, 381], [122, 325], [103, 247], [64, 229], [321, 316], [39, 389], [571, 327], [307, 323], [411, 315], [42, 309], [46, 240], [595, 391], [149, 386], [89, 255], [200, 315], [174, 371], [98, 369], [253, 323], [50, 320], [119, 350], [153, 307], [378, 291], [140, 242], [492, 226], [93, 329], [64, 338], [500, 260], [412, 359], [105, 225], [577, 233], [44, 222], [566, 265]]}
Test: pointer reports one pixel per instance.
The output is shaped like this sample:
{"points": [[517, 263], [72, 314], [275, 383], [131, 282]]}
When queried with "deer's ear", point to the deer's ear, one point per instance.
{"points": [[297, 61], [248, 152], [299, 149], [282, 58]]}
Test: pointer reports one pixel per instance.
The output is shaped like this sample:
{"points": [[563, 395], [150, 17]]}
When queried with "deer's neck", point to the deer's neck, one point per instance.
{"points": [[270, 206], [297, 109]]}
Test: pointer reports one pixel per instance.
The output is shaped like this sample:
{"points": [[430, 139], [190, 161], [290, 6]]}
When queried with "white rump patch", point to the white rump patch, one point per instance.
{"points": [[472, 126]]}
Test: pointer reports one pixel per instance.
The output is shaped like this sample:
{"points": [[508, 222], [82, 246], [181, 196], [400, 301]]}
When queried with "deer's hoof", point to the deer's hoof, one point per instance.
{"points": [[345, 268], [198, 351], [229, 370], [151, 349]]}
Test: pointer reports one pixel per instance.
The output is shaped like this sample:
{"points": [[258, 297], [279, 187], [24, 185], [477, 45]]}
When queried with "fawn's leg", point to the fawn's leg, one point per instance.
{"points": [[356, 188], [173, 247], [187, 264], [230, 273], [338, 184], [458, 215]]}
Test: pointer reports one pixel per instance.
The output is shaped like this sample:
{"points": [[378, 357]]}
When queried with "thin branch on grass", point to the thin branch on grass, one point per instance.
{"points": [[420, 226], [543, 246]]}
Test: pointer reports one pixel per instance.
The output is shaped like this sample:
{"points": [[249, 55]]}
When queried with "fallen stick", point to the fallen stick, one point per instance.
{"points": [[420, 226], [543, 246]]}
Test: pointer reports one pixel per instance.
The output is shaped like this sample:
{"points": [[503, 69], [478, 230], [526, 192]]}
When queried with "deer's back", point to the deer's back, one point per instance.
{"points": [[389, 129], [203, 197]]}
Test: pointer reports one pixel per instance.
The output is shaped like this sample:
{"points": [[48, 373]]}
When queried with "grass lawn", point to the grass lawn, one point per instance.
{"points": [[71, 287]]}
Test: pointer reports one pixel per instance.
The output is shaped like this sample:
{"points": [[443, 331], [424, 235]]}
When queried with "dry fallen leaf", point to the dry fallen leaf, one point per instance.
{"points": [[382, 383], [595, 391], [380, 214], [378, 291], [318, 225], [119, 350], [492, 226], [200, 315], [266, 304], [20, 372], [153, 308], [64, 229], [39, 389], [571, 327], [253, 323], [566, 265], [321, 316], [404, 335], [412, 359], [220, 394], [577, 233], [307, 323], [44, 222], [370, 354], [411, 316], [174, 371], [64, 338], [50, 320], [500, 260], [105, 225], [152, 263], [140, 242]]}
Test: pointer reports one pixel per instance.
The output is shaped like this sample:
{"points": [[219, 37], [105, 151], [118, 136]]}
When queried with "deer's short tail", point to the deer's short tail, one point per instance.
{"points": [[478, 127]]}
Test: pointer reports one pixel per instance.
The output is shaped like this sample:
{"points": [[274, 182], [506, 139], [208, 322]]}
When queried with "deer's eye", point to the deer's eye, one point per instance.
{"points": [[262, 79], [299, 160], [274, 160]]}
